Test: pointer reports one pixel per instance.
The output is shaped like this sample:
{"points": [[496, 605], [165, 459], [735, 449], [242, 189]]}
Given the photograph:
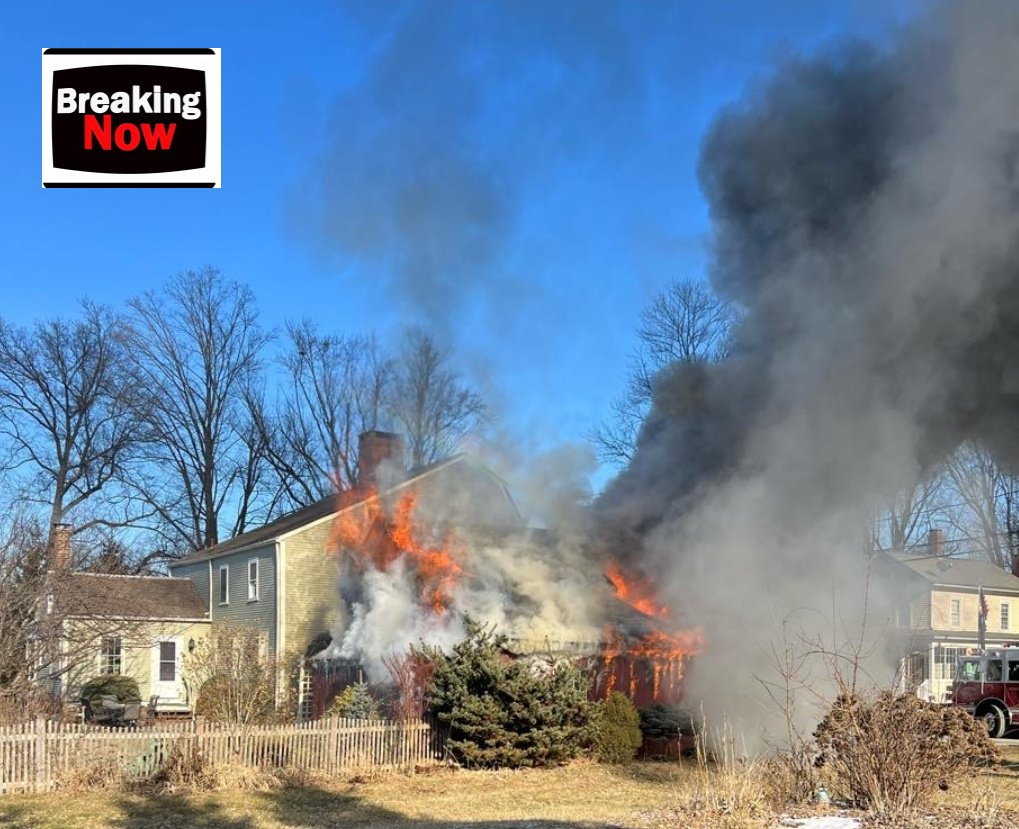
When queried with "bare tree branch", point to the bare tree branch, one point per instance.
{"points": [[339, 387], [66, 412], [685, 323], [196, 348], [433, 406]]}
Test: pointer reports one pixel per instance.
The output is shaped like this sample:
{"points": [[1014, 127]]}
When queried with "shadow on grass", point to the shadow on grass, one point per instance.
{"points": [[15, 816], [307, 807]]}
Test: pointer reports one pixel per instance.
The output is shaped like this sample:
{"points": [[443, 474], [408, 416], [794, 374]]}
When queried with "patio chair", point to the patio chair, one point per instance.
{"points": [[101, 710], [151, 708], [108, 702]]}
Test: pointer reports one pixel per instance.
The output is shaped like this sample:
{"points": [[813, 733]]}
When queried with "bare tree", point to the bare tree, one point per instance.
{"points": [[686, 323], [987, 497], [434, 407], [196, 351], [907, 517], [40, 646], [22, 586], [234, 679], [67, 416], [337, 387]]}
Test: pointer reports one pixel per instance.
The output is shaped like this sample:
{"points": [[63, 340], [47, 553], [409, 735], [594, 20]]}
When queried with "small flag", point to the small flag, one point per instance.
{"points": [[982, 614]]}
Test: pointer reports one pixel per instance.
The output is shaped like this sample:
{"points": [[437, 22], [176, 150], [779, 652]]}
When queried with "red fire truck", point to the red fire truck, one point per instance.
{"points": [[987, 685]]}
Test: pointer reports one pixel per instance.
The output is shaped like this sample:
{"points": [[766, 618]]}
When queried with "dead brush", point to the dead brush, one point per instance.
{"points": [[186, 769], [97, 772], [236, 777], [728, 788], [891, 754]]}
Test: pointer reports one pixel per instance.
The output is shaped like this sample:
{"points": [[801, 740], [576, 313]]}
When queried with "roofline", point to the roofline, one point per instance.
{"points": [[933, 579], [975, 588], [254, 545], [122, 576], [80, 616], [375, 496], [213, 554]]}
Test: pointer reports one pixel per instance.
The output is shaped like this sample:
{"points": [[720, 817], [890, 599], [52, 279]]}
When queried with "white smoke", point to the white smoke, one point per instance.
{"points": [[541, 592]]}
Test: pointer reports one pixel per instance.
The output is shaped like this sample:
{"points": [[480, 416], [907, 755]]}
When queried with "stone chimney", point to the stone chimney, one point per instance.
{"points": [[59, 551], [374, 448], [936, 542]]}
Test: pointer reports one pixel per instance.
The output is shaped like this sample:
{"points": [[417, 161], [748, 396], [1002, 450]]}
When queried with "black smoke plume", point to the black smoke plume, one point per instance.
{"points": [[865, 214]]}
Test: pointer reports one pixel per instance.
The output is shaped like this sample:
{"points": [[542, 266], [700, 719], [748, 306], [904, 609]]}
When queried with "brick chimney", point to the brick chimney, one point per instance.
{"points": [[936, 542], [59, 550], [374, 447]]}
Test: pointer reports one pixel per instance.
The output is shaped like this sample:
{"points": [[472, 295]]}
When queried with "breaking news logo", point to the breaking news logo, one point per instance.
{"points": [[131, 118]]}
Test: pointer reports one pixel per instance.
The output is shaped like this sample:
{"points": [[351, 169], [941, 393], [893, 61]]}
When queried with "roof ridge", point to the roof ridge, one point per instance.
{"points": [[127, 576]]}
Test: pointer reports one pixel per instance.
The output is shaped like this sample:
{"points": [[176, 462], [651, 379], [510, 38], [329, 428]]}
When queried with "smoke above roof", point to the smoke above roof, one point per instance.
{"points": [[865, 216]]}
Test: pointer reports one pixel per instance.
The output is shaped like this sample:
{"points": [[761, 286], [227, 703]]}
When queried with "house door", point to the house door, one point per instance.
{"points": [[166, 669]]}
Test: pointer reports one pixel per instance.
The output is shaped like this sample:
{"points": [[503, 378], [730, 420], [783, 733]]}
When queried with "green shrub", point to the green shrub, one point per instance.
{"points": [[616, 729], [665, 722], [124, 688], [504, 711], [355, 702]]}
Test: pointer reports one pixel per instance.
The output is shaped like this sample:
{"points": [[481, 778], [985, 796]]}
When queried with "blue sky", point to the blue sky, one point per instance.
{"points": [[518, 177]]}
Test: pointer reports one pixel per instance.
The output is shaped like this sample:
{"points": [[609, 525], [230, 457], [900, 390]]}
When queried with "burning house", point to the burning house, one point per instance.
{"points": [[403, 558], [411, 569]]}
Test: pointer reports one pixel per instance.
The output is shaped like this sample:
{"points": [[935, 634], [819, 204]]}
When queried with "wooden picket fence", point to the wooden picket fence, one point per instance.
{"points": [[36, 756]]}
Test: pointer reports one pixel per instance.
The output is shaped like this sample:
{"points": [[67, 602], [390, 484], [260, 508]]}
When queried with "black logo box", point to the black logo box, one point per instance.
{"points": [[187, 150]]}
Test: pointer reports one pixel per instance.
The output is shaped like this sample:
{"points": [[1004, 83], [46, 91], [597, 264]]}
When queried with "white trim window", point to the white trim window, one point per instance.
{"points": [[224, 584], [110, 655], [1004, 615], [252, 579], [168, 661], [955, 607]]}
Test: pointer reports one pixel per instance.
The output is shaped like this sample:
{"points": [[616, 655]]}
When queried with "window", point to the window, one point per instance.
{"points": [[969, 671], [993, 671], [1013, 670], [1004, 615], [253, 580], [167, 661], [946, 658], [224, 584], [956, 609], [109, 662]]}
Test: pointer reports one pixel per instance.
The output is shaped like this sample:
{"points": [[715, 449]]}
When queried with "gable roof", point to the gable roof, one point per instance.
{"points": [[127, 597], [958, 572], [325, 508]]}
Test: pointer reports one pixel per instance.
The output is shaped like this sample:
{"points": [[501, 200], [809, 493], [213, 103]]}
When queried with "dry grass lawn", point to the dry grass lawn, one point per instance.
{"points": [[581, 795]]}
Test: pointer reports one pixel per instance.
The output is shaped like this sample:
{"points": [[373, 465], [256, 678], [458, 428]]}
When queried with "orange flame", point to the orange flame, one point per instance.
{"points": [[638, 593], [651, 667], [370, 538]]}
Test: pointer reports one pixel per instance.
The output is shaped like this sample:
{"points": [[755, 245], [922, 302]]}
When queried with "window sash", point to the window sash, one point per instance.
{"points": [[252, 579], [956, 611], [946, 660], [110, 657], [224, 584], [1004, 615], [167, 661]]}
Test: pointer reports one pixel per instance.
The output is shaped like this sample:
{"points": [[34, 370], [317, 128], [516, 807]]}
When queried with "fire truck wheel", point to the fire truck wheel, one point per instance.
{"points": [[994, 718]]}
